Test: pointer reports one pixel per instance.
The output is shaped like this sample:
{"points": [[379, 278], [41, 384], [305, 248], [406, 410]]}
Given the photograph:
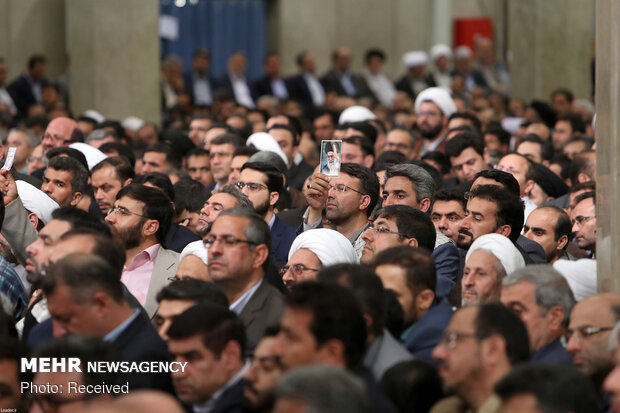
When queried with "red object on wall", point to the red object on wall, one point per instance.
{"points": [[466, 29]]}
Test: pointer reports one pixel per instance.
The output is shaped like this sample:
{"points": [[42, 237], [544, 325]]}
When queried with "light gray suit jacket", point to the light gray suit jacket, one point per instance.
{"points": [[17, 229], [165, 267], [384, 352]]}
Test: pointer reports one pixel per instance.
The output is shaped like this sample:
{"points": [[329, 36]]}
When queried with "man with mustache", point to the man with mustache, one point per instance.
{"points": [[142, 217], [238, 247], [348, 199], [479, 347], [107, 178], [433, 107]]}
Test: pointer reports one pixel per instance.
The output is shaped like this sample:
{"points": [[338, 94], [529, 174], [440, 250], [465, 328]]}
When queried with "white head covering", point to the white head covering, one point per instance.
{"points": [[415, 58], [93, 114], [133, 123], [265, 142], [502, 248], [330, 246], [196, 248], [36, 201], [439, 96], [580, 275], [440, 50], [92, 154], [355, 114], [462, 52]]}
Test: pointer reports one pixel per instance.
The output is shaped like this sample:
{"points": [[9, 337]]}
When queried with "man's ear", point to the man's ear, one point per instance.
{"points": [[423, 300], [425, 204], [555, 317], [260, 253], [34, 219], [494, 349], [486, 156], [273, 198], [150, 227], [231, 353], [332, 352], [529, 185], [504, 230], [127, 182], [364, 202], [412, 242], [100, 303], [76, 198], [562, 242]]}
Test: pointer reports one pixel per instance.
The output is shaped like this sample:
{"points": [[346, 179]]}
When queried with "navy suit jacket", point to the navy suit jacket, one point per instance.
{"points": [[282, 236], [534, 252], [554, 352], [447, 263], [298, 89], [230, 400], [21, 93], [262, 87], [188, 80], [428, 330], [225, 83], [178, 237]]}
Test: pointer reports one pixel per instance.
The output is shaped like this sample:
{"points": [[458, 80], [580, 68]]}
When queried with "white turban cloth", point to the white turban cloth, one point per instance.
{"points": [[93, 155], [356, 114], [580, 275], [331, 247], [36, 201], [265, 142], [439, 96], [196, 248], [502, 248]]}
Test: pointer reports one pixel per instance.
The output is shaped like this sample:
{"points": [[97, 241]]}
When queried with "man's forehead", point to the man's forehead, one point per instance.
{"points": [[55, 228], [344, 178], [448, 206], [383, 220], [429, 105], [227, 224], [253, 174], [542, 218], [514, 161], [223, 147], [58, 175], [481, 205], [464, 318], [226, 200], [398, 182], [127, 201]]}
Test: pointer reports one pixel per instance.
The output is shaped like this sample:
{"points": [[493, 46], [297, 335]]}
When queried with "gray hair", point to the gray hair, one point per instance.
{"points": [[550, 287], [325, 389], [422, 181], [242, 200], [99, 134], [257, 231], [32, 140], [499, 268]]}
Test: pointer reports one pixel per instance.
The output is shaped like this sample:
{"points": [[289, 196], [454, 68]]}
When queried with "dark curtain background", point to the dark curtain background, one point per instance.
{"points": [[221, 26]]}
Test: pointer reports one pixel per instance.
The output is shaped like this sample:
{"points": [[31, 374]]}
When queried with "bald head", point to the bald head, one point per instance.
{"points": [[139, 401], [58, 133]]}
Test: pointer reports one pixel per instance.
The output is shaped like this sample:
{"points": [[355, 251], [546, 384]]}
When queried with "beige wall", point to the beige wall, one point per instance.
{"points": [[114, 49], [32, 26]]}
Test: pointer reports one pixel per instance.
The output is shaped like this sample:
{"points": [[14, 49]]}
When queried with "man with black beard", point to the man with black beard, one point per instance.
{"points": [[263, 183], [142, 217], [433, 106]]}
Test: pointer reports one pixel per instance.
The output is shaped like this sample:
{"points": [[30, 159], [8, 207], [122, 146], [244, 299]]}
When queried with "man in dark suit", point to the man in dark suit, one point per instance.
{"points": [[272, 83], [238, 255], [85, 297], [262, 184], [410, 273], [411, 185], [339, 78], [236, 82], [26, 89], [305, 87], [211, 340], [198, 82]]}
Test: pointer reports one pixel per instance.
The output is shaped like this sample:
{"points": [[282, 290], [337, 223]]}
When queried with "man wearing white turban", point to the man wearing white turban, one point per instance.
{"points": [[489, 259], [314, 249], [433, 107]]}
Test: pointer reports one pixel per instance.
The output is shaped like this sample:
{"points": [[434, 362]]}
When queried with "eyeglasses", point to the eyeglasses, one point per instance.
{"points": [[296, 269], [343, 188], [450, 339], [124, 212], [252, 186], [580, 220], [382, 230], [181, 278], [56, 138], [225, 240], [583, 333]]}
